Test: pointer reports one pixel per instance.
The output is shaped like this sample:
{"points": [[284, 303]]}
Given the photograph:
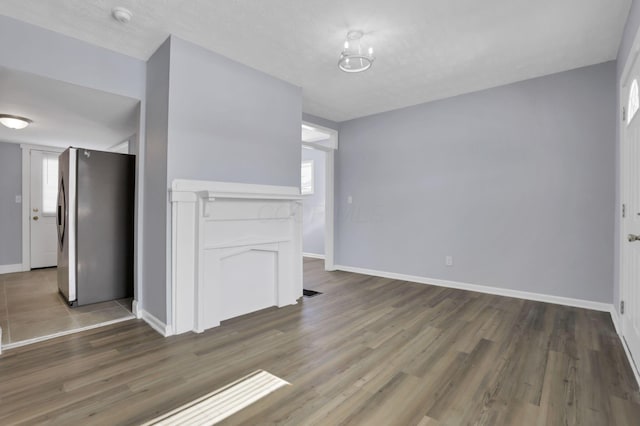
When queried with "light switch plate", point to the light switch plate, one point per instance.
{"points": [[18, 199]]}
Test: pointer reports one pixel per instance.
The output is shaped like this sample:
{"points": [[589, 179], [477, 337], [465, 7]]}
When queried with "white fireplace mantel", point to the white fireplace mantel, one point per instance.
{"points": [[236, 248]]}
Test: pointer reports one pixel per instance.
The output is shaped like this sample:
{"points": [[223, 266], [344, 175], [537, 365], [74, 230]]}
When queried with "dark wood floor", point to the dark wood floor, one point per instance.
{"points": [[368, 351]]}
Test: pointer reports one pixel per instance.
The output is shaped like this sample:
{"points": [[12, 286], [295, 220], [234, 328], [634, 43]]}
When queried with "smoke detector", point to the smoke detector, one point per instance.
{"points": [[121, 14]]}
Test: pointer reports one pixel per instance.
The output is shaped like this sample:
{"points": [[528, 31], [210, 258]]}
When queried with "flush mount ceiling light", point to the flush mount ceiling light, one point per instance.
{"points": [[121, 14], [14, 121], [356, 57]]}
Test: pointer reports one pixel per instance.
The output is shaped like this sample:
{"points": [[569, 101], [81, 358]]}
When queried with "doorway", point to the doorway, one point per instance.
{"points": [[317, 188], [313, 190], [43, 183]]}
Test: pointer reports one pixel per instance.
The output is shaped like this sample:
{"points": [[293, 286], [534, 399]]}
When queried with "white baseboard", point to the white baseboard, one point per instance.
{"points": [[615, 318], [618, 326], [136, 309], [8, 269], [558, 300], [313, 255], [155, 323]]}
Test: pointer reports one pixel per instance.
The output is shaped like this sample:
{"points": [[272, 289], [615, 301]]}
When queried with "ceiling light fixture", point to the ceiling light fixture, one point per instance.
{"points": [[121, 14], [14, 121], [355, 57]]}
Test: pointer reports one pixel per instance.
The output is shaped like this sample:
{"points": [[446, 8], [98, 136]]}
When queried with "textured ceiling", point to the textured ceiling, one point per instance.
{"points": [[426, 49], [64, 114]]}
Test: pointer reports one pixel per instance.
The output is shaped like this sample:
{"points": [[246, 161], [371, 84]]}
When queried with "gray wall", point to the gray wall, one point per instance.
{"points": [[10, 211], [229, 122], [314, 205], [630, 30], [516, 182], [155, 183]]}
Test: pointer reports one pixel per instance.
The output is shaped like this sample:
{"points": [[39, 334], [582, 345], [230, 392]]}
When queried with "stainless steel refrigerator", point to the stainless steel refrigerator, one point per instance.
{"points": [[95, 221]]}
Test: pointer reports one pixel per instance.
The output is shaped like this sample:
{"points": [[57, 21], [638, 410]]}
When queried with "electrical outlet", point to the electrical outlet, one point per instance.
{"points": [[18, 199], [448, 260], [349, 199]]}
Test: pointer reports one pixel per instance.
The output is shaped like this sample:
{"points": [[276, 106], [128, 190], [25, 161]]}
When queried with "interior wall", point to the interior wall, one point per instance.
{"points": [[229, 122], [624, 53], [155, 183], [10, 211], [515, 182], [313, 205]]}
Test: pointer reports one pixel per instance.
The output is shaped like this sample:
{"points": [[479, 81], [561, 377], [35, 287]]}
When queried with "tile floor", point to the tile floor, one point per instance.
{"points": [[31, 307]]}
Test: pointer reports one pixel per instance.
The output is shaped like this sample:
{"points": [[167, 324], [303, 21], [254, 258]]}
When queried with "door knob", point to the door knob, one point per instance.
{"points": [[35, 218], [633, 238]]}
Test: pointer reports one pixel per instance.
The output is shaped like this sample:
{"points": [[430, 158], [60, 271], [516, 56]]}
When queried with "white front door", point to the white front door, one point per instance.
{"points": [[43, 208], [630, 251]]}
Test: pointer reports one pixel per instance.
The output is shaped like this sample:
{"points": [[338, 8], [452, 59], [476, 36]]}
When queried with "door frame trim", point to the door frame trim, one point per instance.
{"points": [[26, 199]]}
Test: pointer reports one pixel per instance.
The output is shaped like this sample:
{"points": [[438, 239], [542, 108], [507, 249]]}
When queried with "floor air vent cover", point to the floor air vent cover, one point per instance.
{"points": [[310, 293], [222, 403]]}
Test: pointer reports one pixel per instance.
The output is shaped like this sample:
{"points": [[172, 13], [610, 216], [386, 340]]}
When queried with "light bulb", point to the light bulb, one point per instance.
{"points": [[371, 51], [346, 44]]}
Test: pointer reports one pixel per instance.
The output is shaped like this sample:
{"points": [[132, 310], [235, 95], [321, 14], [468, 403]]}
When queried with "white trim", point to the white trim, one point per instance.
{"points": [[235, 190], [8, 269], [538, 297], [65, 333], [26, 198], [333, 133], [26, 201], [617, 324], [155, 323], [329, 202], [136, 308], [314, 255]]}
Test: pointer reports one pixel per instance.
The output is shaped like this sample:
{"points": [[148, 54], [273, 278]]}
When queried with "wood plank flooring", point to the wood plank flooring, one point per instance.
{"points": [[368, 351]]}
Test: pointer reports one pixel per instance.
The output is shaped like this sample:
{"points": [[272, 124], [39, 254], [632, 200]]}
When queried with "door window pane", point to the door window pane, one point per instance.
{"points": [[49, 184]]}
